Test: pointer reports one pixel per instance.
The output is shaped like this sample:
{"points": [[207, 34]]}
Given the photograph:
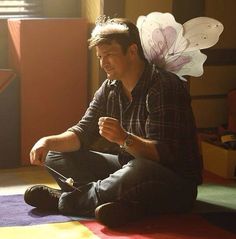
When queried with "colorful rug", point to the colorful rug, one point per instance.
{"points": [[213, 217], [185, 226], [16, 212], [20, 221], [224, 220], [65, 230]]}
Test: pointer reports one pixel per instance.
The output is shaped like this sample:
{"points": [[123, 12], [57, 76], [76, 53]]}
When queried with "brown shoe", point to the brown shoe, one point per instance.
{"points": [[116, 214], [43, 197]]}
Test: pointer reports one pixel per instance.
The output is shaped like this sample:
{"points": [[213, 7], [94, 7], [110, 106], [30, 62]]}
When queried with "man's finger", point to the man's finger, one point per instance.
{"points": [[107, 119]]}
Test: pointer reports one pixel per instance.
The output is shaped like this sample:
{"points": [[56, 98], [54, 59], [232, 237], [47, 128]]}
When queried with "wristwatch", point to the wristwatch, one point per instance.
{"points": [[128, 141]]}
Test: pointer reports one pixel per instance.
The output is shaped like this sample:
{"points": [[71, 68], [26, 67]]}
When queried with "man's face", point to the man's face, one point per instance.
{"points": [[113, 60]]}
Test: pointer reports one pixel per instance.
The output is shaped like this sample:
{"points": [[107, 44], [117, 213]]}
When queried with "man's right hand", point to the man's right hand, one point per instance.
{"points": [[39, 152], [64, 142]]}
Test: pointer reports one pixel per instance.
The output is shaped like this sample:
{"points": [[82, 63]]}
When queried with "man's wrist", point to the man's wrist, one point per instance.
{"points": [[128, 141], [46, 142]]}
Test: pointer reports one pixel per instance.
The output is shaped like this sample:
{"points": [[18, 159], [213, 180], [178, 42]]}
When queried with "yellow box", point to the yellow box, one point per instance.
{"points": [[219, 160]]}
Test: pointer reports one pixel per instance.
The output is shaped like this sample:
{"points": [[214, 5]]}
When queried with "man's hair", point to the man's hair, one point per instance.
{"points": [[120, 30]]}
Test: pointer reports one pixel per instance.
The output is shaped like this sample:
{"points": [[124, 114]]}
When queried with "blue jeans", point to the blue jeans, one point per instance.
{"points": [[100, 179]]}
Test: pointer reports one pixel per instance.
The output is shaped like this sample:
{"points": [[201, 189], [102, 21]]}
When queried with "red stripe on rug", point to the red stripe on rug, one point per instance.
{"points": [[187, 226]]}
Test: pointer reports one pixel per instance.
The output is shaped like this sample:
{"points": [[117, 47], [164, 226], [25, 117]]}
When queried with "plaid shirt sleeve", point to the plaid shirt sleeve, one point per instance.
{"points": [[87, 128]]}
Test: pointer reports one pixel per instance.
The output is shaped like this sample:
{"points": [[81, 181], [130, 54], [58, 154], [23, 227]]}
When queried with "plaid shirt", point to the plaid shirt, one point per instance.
{"points": [[160, 110]]}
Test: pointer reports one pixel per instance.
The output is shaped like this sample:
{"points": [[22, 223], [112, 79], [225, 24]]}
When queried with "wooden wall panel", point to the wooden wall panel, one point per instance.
{"points": [[209, 91], [184, 10], [134, 8]]}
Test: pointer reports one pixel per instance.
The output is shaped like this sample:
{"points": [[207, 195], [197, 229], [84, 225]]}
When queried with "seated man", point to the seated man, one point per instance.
{"points": [[144, 111]]}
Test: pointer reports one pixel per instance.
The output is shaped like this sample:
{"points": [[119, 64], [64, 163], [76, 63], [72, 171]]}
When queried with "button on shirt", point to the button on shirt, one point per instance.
{"points": [[160, 110]]}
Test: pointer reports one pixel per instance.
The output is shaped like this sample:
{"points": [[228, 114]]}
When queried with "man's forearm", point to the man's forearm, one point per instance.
{"points": [[65, 142], [142, 148]]}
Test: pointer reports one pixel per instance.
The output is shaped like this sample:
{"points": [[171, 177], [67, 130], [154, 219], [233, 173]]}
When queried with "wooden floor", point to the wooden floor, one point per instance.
{"points": [[15, 181]]}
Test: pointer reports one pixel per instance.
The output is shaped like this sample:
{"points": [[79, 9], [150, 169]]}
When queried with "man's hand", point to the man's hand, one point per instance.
{"points": [[39, 152], [64, 142], [111, 129]]}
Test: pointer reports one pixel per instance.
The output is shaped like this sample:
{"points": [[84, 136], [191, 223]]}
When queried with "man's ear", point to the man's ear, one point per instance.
{"points": [[133, 49]]}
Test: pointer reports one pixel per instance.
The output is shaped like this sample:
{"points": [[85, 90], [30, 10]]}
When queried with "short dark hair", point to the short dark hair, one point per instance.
{"points": [[124, 39]]}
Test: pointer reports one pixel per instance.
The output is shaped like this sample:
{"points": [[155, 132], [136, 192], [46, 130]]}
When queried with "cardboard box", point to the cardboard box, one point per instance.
{"points": [[219, 160]]}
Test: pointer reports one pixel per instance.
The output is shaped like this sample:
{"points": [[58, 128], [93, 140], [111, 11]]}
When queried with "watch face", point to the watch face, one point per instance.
{"points": [[128, 141]]}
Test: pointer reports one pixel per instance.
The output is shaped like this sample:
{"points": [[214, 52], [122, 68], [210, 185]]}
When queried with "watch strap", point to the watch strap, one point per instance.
{"points": [[127, 142]]}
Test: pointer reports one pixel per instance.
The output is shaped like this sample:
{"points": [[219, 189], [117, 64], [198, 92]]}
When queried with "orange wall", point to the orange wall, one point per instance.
{"points": [[50, 56]]}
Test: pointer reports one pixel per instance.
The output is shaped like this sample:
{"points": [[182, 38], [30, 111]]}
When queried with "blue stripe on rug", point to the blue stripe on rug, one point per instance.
{"points": [[15, 212]]}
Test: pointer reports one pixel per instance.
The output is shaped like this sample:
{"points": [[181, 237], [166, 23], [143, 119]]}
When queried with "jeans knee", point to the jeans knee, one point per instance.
{"points": [[51, 157], [143, 165], [137, 171]]}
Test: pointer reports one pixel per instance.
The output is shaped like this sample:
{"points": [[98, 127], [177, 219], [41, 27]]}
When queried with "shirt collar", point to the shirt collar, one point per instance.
{"points": [[141, 85]]}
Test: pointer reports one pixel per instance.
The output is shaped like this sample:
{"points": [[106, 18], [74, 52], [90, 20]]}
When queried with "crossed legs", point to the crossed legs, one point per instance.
{"points": [[101, 179]]}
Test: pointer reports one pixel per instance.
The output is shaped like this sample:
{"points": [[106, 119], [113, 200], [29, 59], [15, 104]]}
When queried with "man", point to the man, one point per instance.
{"points": [[144, 110]]}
